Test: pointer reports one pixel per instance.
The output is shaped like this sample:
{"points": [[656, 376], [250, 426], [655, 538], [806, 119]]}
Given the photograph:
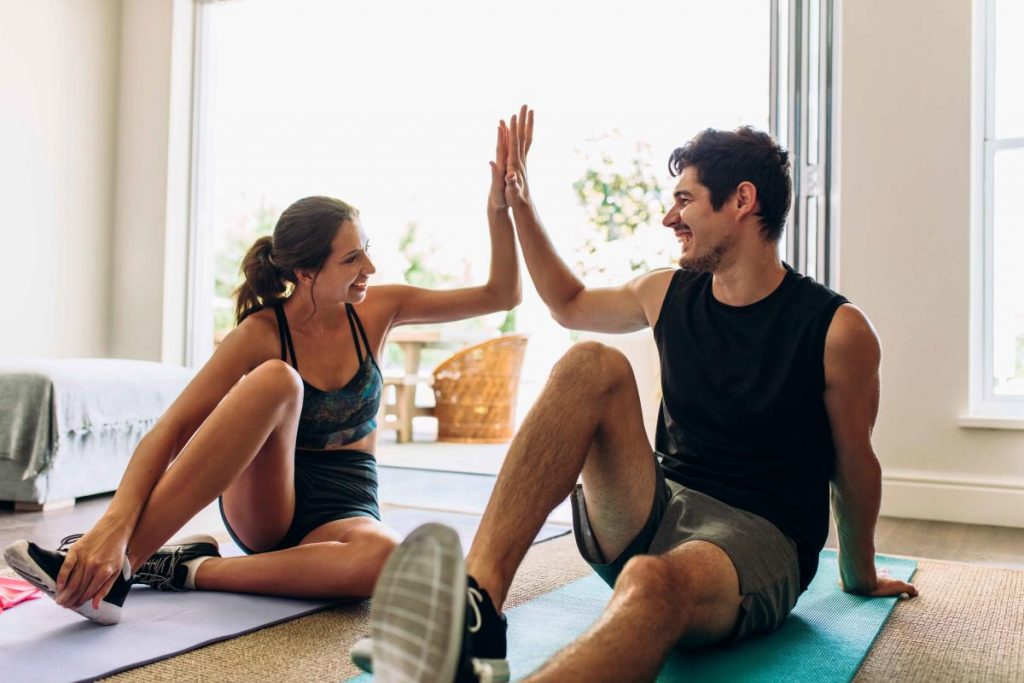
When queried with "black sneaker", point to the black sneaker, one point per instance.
{"points": [[166, 569], [486, 632], [418, 617], [487, 629], [41, 567]]}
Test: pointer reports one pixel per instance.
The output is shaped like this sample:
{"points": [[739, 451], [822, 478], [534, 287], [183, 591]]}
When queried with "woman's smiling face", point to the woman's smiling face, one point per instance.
{"points": [[344, 275]]}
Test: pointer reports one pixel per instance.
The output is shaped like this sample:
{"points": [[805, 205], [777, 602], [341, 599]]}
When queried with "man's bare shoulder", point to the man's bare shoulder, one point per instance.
{"points": [[650, 289], [852, 345], [850, 327]]}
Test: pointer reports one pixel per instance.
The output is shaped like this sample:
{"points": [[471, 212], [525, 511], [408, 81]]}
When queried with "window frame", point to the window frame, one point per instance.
{"points": [[804, 94], [985, 407]]}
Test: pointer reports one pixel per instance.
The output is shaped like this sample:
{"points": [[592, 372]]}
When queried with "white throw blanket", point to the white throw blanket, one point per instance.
{"points": [[43, 401]]}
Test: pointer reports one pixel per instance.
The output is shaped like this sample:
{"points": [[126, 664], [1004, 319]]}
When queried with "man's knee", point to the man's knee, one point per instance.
{"points": [[592, 364], [657, 582]]}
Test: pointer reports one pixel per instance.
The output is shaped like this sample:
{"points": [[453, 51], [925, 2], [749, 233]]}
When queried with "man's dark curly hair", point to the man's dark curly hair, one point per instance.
{"points": [[724, 159]]}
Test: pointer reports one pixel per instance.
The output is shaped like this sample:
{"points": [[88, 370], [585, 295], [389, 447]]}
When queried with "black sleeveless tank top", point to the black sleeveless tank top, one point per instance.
{"points": [[743, 413]]}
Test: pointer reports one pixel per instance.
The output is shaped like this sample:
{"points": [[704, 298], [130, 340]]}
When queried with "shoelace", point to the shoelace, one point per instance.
{"points": [[65, 543], [475, 598], [159, 569], [68, 541]]}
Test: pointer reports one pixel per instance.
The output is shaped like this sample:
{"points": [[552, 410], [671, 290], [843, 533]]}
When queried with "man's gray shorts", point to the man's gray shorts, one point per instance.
{"points": [[765, 559]]}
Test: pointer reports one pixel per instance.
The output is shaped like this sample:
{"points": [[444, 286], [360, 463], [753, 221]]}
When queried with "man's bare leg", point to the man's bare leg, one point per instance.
{"points": [[587, 420], [689, 595]]}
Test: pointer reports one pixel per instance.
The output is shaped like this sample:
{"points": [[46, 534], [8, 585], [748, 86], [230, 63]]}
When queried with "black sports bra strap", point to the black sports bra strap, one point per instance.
{"points": [[359, 323], [286, 337], [355, 337]]}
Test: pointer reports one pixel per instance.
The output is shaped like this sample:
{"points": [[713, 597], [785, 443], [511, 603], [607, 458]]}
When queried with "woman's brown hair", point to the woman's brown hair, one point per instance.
{"points": [[301, 241]]}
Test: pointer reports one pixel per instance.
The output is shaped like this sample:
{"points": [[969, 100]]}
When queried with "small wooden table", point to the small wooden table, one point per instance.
{"points": [[412, 341]]}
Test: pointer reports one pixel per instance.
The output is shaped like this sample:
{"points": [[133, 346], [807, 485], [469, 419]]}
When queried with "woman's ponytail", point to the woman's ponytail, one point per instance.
{"points": [[264, 283]]}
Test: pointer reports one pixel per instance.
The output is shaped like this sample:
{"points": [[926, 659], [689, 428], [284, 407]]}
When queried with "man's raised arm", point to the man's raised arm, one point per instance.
{"points": [[572, 304]]}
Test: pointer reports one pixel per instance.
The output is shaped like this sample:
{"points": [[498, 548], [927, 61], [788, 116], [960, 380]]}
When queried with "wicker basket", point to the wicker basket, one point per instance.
{"points": [[475, 391]]}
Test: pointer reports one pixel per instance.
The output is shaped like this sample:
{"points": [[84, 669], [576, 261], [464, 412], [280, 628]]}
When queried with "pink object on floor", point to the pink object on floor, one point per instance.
{"points": [[13, 591]]}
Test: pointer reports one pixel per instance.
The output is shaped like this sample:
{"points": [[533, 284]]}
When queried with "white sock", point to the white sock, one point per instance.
{"points": [[193, 569]]}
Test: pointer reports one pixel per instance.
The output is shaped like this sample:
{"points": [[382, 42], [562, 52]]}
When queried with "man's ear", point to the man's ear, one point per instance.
{"points": [[746, 199]]}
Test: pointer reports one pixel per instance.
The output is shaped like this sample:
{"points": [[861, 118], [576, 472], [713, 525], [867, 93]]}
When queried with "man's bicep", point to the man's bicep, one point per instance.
{"points": [[852, 384], [604, 309], [627, 308]]}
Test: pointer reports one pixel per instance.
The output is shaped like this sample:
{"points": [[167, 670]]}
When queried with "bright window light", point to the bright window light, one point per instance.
{"points": [[393, 107], [1003, 216]]}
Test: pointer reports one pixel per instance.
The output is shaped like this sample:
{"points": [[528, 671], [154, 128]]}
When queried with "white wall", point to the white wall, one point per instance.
{"points": [[58, 116], [905, 165], [151, 211]]}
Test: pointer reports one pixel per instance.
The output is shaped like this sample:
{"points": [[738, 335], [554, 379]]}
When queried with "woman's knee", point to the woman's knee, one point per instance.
{"points": [[370, 553], [278, 378]]}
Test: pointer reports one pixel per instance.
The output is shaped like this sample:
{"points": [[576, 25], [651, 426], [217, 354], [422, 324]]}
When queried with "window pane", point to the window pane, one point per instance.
{"points": [[813, 47], [1007, 275], [398, 118], [1009, 69], [811, 225], [783, 74]]}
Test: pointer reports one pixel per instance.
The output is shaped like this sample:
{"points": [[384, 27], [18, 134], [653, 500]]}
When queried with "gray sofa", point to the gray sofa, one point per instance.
{"points": [[69, 426]]}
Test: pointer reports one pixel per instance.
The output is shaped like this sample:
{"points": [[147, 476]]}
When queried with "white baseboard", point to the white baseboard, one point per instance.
{"points": [[924, 495]]}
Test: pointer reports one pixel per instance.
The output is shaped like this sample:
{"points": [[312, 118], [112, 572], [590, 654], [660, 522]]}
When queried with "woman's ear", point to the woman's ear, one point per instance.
{"points": [[304, 276]]}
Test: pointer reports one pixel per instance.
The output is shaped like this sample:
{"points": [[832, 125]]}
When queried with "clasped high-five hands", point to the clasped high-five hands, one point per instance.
{"points": [[508, 170]]}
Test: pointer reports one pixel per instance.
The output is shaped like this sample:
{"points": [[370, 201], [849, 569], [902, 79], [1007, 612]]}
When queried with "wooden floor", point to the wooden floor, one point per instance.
{"points": [[993, 546], [986, 545]]}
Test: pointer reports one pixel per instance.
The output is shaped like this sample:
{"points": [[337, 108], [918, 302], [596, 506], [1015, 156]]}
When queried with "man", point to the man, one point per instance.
{"points": [[771, 388]]}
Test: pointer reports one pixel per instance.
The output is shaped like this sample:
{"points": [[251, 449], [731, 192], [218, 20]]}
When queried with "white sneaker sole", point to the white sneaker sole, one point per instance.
{"points": [[418, 613], [489, 670]]}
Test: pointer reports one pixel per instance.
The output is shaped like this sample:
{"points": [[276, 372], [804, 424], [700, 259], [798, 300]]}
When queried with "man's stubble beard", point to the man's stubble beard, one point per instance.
{"points": [[708, 261]]}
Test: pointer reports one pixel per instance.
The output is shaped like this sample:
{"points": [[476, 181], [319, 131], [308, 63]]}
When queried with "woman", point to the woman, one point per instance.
{"points": [[280, 423]]}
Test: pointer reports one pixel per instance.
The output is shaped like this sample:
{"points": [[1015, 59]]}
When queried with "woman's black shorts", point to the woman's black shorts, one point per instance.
{"points": [[328, 486]]}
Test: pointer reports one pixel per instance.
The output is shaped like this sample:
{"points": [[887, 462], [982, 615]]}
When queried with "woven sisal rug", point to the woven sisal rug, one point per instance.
{"points": [[967, 625]]}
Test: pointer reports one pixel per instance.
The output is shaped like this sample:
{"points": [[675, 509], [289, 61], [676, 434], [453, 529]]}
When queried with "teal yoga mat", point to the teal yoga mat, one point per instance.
{"points": [[825, 638]]}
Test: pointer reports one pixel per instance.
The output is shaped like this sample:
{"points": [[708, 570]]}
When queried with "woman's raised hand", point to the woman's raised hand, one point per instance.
{"points": [[520, 137], [496, 198]]}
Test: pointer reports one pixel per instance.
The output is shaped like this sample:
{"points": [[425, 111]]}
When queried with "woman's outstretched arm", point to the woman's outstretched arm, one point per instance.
{"points": [[404, 304]]}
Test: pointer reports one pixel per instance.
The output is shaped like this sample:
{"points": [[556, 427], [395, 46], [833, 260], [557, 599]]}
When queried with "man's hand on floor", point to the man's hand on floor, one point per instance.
{"points": [[885, 586]]}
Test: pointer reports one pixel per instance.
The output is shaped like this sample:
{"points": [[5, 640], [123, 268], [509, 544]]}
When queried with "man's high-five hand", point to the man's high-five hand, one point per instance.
{"points": [[520, 137]]}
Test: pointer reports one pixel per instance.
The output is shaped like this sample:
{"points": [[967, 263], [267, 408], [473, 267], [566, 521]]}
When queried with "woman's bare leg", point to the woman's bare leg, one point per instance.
{"points": [[338, 559], [247, 441], [245, 450]]}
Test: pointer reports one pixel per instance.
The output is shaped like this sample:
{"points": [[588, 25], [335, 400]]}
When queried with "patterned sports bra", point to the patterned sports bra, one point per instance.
{"points": [[331, 419]]}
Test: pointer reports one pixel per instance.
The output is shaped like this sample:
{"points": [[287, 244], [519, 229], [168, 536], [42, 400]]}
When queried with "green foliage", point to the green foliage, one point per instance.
{"points": [[617, 199], [618, 203], [1020, 357], [233, 242], [509, 324], [418, 255], [422, 271]]}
